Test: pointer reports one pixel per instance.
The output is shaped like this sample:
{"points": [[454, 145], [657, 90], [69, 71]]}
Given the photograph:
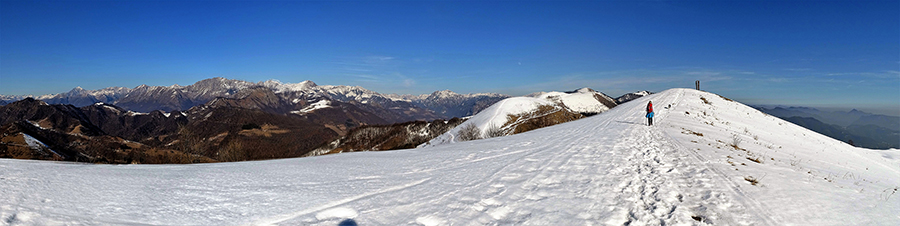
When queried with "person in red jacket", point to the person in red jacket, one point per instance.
{"points": [[650, 113]]}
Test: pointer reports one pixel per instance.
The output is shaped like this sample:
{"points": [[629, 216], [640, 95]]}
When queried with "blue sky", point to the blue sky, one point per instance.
{"points": [[808, 53]]}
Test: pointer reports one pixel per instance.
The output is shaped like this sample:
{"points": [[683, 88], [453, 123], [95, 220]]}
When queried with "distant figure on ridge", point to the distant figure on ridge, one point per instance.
{"points": [[650, 113]]}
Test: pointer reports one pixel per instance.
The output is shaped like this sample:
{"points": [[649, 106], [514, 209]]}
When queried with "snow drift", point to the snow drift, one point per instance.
{"points": [[706, 161]]}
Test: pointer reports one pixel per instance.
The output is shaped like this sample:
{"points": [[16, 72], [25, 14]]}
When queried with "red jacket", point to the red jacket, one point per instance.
{"points": [[649, 107]]}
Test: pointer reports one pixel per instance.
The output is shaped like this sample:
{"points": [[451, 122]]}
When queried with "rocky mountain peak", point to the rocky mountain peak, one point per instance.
{"points": [[442, 94], [77, 91]]}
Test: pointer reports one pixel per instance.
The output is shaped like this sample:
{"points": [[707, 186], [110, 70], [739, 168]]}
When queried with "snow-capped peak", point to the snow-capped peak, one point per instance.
{"points": [[585, 90], [443, 94], [280, 87]]}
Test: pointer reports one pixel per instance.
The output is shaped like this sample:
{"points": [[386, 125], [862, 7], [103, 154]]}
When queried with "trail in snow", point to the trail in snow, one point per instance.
{"points": [[609, 169]]}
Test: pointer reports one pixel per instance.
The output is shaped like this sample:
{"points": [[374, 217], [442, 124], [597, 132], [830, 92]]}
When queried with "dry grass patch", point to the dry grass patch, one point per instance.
{"points": [[753, 181], [726, 98], [756, 160], [687, 131], [265, 130], [543, 116]]}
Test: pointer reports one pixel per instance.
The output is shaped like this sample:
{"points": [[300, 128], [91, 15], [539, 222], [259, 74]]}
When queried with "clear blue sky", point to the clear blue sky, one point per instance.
{"points": [[809, 53]]}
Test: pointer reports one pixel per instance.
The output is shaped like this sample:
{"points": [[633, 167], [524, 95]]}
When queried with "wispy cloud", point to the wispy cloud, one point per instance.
{"points": [[409, 83], [366, 76], [888, 74], [703, 73], [377, 59]]}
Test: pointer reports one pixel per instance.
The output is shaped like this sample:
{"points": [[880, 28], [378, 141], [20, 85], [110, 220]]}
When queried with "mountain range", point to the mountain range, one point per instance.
{"points": [[221, 119], [860, 128], [391, 107]]}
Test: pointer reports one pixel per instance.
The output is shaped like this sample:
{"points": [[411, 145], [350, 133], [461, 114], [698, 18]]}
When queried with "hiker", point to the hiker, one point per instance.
{"points": [[650, 113]]}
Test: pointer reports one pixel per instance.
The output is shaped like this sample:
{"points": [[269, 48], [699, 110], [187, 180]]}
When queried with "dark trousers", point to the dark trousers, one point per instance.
{"points": [[650, 121]]}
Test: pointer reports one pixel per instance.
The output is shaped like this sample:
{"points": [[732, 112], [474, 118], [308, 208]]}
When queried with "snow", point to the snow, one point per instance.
{"points": [[337, 213], [288, 87], [36, 144], [493, 116], [609, 169], [131, 113], [35, 124], [111, 108], [314, 106], [33, 143], [582, 100]]}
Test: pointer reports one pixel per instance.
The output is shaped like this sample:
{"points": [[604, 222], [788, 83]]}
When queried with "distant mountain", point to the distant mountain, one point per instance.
{"points": [[868, 136], [336, 115], [831, 117], [865, 129], [883, 121], [88, 134], [451, 104], [82, 97], [213, 132], [631, 96], [388, 137], [392, 108]]}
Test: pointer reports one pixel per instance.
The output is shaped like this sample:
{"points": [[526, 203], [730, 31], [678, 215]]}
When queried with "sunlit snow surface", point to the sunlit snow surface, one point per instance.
{"points": [[606, 169]]}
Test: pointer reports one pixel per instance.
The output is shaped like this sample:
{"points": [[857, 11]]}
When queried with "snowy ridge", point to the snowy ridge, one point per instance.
{"points": [[583, 100], [493, 116], [609, 169]]}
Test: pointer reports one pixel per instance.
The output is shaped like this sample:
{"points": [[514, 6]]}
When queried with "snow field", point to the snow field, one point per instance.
{"points": [[609, 169], [802, 177]]}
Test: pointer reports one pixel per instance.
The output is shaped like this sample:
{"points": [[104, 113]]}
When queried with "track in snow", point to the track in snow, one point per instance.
{"points": [[616, 171], [606, 169]]}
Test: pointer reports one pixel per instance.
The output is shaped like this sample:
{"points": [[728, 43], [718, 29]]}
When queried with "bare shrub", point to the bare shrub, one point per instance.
{"points": [[468, 132], [494, 131], [543, 116], [705, 101], [233, 151], [735, 141]]}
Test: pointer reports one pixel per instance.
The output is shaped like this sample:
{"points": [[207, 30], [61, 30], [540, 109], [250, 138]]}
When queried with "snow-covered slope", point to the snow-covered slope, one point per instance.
{"points": [[610, 169], [584, 100], [494, 116]]}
